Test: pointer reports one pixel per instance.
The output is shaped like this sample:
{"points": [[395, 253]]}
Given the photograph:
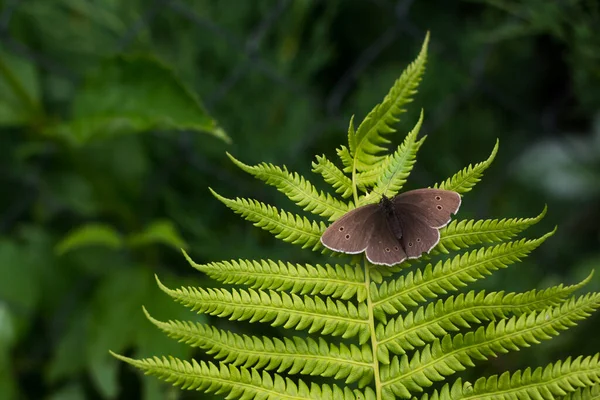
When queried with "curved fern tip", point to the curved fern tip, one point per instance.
{"points": [[120, 357], [217, 195], [188, 258], [237, 162], [494, 151], [160, 284], [150, 317]]}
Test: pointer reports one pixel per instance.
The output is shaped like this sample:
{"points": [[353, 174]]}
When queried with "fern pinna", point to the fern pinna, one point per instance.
{"points": [[374, 332]]}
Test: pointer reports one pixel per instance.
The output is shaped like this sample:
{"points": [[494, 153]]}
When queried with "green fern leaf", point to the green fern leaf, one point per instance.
{"points": [[238, 383], [424, 325], [554, 381], [464, 180], [326, 317], [415, 287], [294, 356], [337, 281], [462, 234], [455, 353], [334, 176], [346, 158], [296, 188], [366, 144], [284, 225], [587, 393], [397, 166]]}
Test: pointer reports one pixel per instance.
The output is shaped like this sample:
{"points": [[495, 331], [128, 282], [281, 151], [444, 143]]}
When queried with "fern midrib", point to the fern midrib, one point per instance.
{"points": [[467, 176], [333, 175], [447, 316], [445, 276], [212, 342], [555, 380], [288, 215], [373, 334], [382, 118], [225, 383], [511, 231], [260, 306], [401, 169], [291, 279], [489, 343], [311, 193]]}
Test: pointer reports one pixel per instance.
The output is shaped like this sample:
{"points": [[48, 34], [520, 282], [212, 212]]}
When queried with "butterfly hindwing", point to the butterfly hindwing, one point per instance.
{"points": [[351, 233], [384, 247], [417, 236]]}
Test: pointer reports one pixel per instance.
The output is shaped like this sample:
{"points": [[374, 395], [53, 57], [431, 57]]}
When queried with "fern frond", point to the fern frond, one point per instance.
{"points": [[366, 144], [587, 393], [346, 158], [454, 353], [296, 188], [326, 317], [396, 167], [424, 325], [464, 180], [462, 234], [415, 287], [390, 175], [238, 383], [555, 380], [336, 281], [334, 176], [293, 356], [284, 225]]}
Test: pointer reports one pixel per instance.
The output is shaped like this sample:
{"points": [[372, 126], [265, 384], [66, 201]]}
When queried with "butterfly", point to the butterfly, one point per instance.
{"points": [[395, 229]]}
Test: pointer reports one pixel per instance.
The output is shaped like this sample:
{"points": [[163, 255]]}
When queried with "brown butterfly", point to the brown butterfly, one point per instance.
{"points": [[405, 226]]}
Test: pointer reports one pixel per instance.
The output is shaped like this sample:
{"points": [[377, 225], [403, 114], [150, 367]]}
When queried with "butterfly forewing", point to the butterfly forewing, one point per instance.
{"points": [[434, 206], [383, 246], [351, 233]]}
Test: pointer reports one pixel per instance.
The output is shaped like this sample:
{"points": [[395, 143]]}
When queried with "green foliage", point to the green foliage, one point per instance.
{"points": [[133, 94], [383, 332]]}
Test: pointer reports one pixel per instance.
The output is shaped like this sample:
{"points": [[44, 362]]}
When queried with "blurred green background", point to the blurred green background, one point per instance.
{"points": [[106, 154]]}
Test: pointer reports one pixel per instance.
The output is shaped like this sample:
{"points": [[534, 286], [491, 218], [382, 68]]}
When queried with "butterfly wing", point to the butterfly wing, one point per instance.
{"points": [[417, 236], [383, 247], [351, 232], [422, 212], [435, 206]]}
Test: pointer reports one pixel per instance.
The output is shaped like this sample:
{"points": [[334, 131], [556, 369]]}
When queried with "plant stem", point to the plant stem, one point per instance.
{"points": [[374, 343]]}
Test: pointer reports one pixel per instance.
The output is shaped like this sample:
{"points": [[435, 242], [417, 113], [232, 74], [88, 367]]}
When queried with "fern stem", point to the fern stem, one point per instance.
{"points": [[354, 190], [374, 342]]}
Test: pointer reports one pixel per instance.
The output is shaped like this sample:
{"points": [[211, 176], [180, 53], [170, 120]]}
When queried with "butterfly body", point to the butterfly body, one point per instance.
{"points": [[393, 221], [396, 229]]}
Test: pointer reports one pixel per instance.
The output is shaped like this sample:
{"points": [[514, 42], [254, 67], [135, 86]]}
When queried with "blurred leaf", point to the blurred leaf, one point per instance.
{"points": [[116, 319], [132, 94], [161, 231], [19, 278], [73, 192], [20, 90], [7, 327], [8, 387], [90, 235], [104, 375], [71, 392], [67, 354]]}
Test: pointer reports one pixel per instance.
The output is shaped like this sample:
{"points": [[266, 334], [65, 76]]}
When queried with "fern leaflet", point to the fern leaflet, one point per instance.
{"points": [[297, 189]]}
